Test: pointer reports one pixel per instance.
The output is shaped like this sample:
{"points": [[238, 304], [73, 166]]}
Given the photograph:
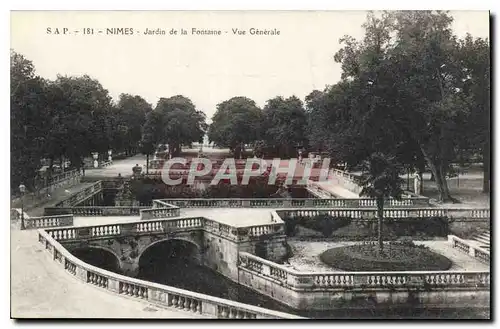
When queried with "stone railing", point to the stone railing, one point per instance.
{"points": [[346, 180], [48, 221], [41, 195], [351, 280], [81, 196], [292, 203], [165, 212], [64, 176], [94, 211], [121, 229], [154, 293], [167, 225], [352, 182], [470, 249], [452, 214]]}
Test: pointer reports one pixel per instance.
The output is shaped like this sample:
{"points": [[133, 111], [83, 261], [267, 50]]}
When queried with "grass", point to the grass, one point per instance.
{"points": [[396, 257]]}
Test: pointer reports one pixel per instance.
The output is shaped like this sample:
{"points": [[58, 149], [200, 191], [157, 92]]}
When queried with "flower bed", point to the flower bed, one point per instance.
{"points": [[396, 257]]}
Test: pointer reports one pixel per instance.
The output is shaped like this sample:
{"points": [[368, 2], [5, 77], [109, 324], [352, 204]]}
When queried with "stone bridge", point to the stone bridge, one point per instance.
{"points": [[207, 242]]}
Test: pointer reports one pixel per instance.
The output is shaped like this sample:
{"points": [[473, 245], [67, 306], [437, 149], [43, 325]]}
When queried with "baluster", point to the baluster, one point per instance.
{"points": [[194, 305], [223, 312]]}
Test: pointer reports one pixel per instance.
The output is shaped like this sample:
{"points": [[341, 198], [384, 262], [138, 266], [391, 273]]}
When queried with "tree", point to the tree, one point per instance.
{"points": [[236, 122], [80, 118], [473, 56], [381, 180], [149, 139], [404, 81], [130, 116], [176, 121], [28, 114], [284, 124]]}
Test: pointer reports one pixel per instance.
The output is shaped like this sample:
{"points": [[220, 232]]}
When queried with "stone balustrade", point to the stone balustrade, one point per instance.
{"points": [[351, 280], [94, 211], [292, 203], [39, 196], [166, 212], [110, 230], [368, 214], [48, 221], [63, 176], [166, 226], [162, 295], [80, 196], [470, 249]]}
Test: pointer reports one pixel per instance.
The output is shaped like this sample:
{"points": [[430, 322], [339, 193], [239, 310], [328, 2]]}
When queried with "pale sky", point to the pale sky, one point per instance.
{"points": [[207, 69]]}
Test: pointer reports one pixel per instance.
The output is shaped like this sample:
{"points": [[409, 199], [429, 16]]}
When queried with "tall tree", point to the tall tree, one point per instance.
{"points": [[176, 121], [474, 60], [129, 116], [28, 120], [236, 122], [407, 76], [80, 118], [284, 124]]}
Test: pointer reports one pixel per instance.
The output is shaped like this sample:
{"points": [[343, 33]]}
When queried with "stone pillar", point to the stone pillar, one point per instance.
{"points": [[95, 155]]}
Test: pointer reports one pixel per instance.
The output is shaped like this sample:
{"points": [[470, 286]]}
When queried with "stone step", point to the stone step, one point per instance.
{"points": [[482, 240]]}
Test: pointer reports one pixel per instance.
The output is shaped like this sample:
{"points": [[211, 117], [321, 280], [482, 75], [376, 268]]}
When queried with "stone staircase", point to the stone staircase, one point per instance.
{"points": [[483, 239]]}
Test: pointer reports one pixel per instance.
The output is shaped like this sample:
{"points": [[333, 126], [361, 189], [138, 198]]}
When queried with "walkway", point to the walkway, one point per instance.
{"points": [[41, 289], [57, 196], [337, 190], [231, 216], [123, 167]]}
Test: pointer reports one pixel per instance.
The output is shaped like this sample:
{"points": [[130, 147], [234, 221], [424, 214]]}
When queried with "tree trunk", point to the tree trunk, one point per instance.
{"points": [[421, 175], [147, 164], [486, 166], [380, 219], [433, 178], [440, 176]]}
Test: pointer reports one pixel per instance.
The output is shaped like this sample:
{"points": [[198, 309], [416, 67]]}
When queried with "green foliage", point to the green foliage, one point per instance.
{"points": [[409, 89], [381, 178], [284, 125], [237, 121], [174, 121]]}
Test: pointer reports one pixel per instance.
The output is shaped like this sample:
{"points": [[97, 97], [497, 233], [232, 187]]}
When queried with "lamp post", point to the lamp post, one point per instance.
{"points": [[22, 189]]}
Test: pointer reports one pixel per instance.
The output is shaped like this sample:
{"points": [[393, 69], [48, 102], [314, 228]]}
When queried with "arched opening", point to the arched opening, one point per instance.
{"points": [[98, 257], [172, 262]]}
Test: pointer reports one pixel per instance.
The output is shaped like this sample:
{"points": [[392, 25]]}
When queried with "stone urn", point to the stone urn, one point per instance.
{"points": [[137, 170]]}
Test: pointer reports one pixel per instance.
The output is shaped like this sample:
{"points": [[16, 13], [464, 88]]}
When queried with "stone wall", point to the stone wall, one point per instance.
{"points": [[322, 299]]}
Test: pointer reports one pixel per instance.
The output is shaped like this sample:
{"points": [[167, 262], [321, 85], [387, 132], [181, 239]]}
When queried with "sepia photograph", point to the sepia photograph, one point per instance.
{"points": [[286, 165]]}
